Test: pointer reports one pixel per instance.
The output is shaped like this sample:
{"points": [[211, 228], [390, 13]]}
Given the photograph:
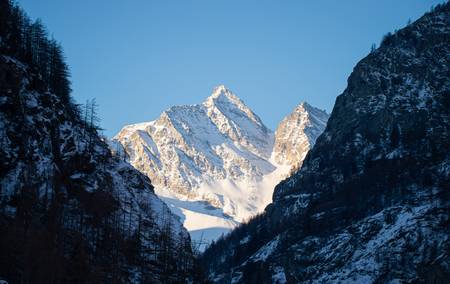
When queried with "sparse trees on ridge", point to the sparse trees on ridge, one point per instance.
{"points": [[29, 42], [70, 216]]}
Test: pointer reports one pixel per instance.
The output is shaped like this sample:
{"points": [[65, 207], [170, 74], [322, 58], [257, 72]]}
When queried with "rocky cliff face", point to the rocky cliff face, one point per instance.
{"points": [[188, 146], [213, 162], [371, 201], [69, 211], [296, 134]]}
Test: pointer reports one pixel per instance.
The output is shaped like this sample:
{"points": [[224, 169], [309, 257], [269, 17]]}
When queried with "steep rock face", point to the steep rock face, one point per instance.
{"points": [[190, 145], [296, 135], [213, 162], [237, 122], [371, 202], [190, 148], [64, 200]]}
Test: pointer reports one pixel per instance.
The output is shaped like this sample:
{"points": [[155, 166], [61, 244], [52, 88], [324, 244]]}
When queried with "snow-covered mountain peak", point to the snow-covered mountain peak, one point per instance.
{"points": [[238, 122], [296, 134], [221, 95], [224, 95], [210, 160], [220, 89], [224, 100]]}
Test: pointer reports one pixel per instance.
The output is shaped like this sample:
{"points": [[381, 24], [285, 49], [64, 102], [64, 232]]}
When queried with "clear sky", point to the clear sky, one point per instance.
{"points": [[139, 57]]}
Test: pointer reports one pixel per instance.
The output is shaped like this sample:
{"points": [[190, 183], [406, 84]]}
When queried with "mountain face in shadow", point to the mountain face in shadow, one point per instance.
{"points": [[70, 211], [371, 201]]}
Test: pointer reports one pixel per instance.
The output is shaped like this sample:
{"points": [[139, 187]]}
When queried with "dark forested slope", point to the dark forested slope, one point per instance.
{"points": [[70, 212], [371, 202]]}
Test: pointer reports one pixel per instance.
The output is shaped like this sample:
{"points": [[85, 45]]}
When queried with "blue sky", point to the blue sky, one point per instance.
{"points": [[137, 58]]}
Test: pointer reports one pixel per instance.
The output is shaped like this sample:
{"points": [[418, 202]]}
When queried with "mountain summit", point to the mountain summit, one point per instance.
{"points": [[213, 162], [296, 134], [223, 99], [238, 122], [191, 144]]}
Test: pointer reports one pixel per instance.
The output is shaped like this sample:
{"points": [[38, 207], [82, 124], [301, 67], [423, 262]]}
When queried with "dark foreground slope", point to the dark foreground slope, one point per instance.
{"points": [[371, 201], [70, 212]]}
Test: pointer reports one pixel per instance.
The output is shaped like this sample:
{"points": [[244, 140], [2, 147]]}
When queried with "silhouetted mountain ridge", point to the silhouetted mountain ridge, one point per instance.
{"points": [[70, 211], [371, 201]]}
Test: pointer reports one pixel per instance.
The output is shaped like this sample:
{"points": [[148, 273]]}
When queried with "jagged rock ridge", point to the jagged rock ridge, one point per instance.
{"points": [[371, 201], [296, 134]]}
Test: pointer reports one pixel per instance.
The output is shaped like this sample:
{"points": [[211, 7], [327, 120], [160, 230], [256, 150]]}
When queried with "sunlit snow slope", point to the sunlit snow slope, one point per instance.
{"points": [[214, 163]]}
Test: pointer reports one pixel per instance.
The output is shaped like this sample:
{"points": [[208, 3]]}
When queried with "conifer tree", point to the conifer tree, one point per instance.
{"points": [[58, 72]]}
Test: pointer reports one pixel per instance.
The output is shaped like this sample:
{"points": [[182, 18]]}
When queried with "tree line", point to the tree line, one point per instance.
{"points": [[29, 42], [62, 229]]}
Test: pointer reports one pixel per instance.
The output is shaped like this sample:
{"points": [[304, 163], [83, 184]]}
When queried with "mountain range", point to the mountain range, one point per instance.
{"points": [[360, 196], [216, 163]]}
